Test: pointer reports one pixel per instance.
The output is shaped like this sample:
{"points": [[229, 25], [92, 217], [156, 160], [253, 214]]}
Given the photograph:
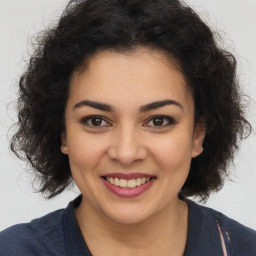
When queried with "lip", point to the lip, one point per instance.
{"points": [[128, 192], [128, 176]]}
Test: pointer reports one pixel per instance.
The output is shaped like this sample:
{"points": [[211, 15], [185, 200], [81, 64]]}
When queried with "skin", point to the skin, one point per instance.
{"points": [[126, 140]]}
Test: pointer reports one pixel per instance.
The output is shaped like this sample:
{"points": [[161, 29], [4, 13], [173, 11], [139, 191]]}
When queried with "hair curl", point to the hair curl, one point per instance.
{"points": [[89, 26]]}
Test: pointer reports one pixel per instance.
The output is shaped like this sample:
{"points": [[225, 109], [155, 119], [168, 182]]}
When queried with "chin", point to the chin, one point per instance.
{"points": [[129, 216]]}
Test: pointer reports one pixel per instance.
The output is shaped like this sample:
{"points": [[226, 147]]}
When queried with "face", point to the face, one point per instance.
{"points": [[130, 134]]}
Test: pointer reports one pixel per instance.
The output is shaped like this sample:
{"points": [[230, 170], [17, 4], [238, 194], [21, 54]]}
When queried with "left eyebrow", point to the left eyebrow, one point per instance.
{"points": [[159, 104], [94, 104], [144, 108]]}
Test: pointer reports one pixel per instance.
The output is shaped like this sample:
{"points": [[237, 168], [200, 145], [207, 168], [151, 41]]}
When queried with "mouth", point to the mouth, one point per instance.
{"points": [[131, 183], [128, 185]]}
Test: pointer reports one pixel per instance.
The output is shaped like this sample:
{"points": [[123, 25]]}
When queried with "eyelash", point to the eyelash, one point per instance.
{"points": [[86, 119], [166, 119]]}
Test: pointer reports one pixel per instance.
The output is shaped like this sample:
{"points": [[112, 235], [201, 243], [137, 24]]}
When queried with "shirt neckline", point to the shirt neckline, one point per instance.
{"points": [[73, 238], [202, 231]]}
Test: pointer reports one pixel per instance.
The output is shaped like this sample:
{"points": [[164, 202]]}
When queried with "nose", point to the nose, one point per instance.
{"points": [[127, 147]]}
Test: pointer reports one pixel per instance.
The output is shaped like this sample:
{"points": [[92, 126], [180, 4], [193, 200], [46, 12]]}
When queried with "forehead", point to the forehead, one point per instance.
{"points": [[139, 77]]}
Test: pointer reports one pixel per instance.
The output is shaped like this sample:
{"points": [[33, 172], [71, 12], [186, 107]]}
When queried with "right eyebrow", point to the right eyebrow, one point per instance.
{"points": [[159, 104], [94, 104]]}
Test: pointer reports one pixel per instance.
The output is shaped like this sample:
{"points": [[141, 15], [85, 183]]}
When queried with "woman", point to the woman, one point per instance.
{"points": [[135, 103]]}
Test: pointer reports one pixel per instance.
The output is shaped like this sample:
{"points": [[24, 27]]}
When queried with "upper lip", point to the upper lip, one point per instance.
{"points": [[128, 176]]}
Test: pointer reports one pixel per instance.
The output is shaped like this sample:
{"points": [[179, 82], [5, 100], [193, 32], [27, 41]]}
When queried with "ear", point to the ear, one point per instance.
{"points": [[64, 146], [198, 139]]}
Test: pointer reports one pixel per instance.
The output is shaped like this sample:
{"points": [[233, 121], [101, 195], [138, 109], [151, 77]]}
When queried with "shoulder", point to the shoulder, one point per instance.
{"points": [[39, 237], [241, 240]]}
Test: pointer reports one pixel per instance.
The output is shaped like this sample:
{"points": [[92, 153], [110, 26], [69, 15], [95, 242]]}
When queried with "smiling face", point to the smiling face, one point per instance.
{"points": [[130, 134]]}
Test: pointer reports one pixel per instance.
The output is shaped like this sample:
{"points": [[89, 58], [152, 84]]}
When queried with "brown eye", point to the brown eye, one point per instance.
{"points": [[96, 121], [158, 121]]}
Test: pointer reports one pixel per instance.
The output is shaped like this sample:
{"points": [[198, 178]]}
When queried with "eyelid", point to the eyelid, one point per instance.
{"points": [[171, 121], [85, 119]]}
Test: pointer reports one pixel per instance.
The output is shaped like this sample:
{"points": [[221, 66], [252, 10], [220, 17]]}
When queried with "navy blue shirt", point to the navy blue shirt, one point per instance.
{"points": [[58, 234]]}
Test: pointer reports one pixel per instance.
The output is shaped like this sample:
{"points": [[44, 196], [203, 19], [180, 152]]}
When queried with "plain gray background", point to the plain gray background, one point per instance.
{"points": [[20, 20]]}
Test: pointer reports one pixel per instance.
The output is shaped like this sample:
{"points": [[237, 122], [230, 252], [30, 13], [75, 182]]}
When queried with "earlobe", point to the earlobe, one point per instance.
{"points": [[64, 149], [64, 146], [198, 139]]}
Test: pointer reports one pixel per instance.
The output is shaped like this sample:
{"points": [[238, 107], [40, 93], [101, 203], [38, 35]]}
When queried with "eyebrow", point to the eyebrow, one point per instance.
{"points": [[145, 108], [159, 104], [94, 104]]}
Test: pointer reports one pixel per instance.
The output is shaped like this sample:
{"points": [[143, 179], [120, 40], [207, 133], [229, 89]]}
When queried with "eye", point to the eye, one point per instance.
{"points": [[95, 121], [160, 121]]}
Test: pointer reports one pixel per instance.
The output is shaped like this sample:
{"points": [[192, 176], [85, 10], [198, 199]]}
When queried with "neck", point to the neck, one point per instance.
{"points": [[162, 234]]}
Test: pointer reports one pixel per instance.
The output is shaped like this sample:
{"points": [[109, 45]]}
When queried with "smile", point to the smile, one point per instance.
{"points": [[131, 183], [128, 185]]}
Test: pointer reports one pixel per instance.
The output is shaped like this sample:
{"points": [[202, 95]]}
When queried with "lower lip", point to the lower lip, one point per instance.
{"points": [[128, 192]]}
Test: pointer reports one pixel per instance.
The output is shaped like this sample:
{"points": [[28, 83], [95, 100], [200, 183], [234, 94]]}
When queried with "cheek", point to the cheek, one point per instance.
{"points": [[84, 151], [174, 152], [85, 155]]}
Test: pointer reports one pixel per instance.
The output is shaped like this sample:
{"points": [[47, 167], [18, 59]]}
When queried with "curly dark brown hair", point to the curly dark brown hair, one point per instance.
{"points": [[89, 26]]}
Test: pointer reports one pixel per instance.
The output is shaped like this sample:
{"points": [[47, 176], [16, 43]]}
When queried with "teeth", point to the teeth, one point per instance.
{"points": [[123, 183], [116, 182], [138, 182], [133, 183]]}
